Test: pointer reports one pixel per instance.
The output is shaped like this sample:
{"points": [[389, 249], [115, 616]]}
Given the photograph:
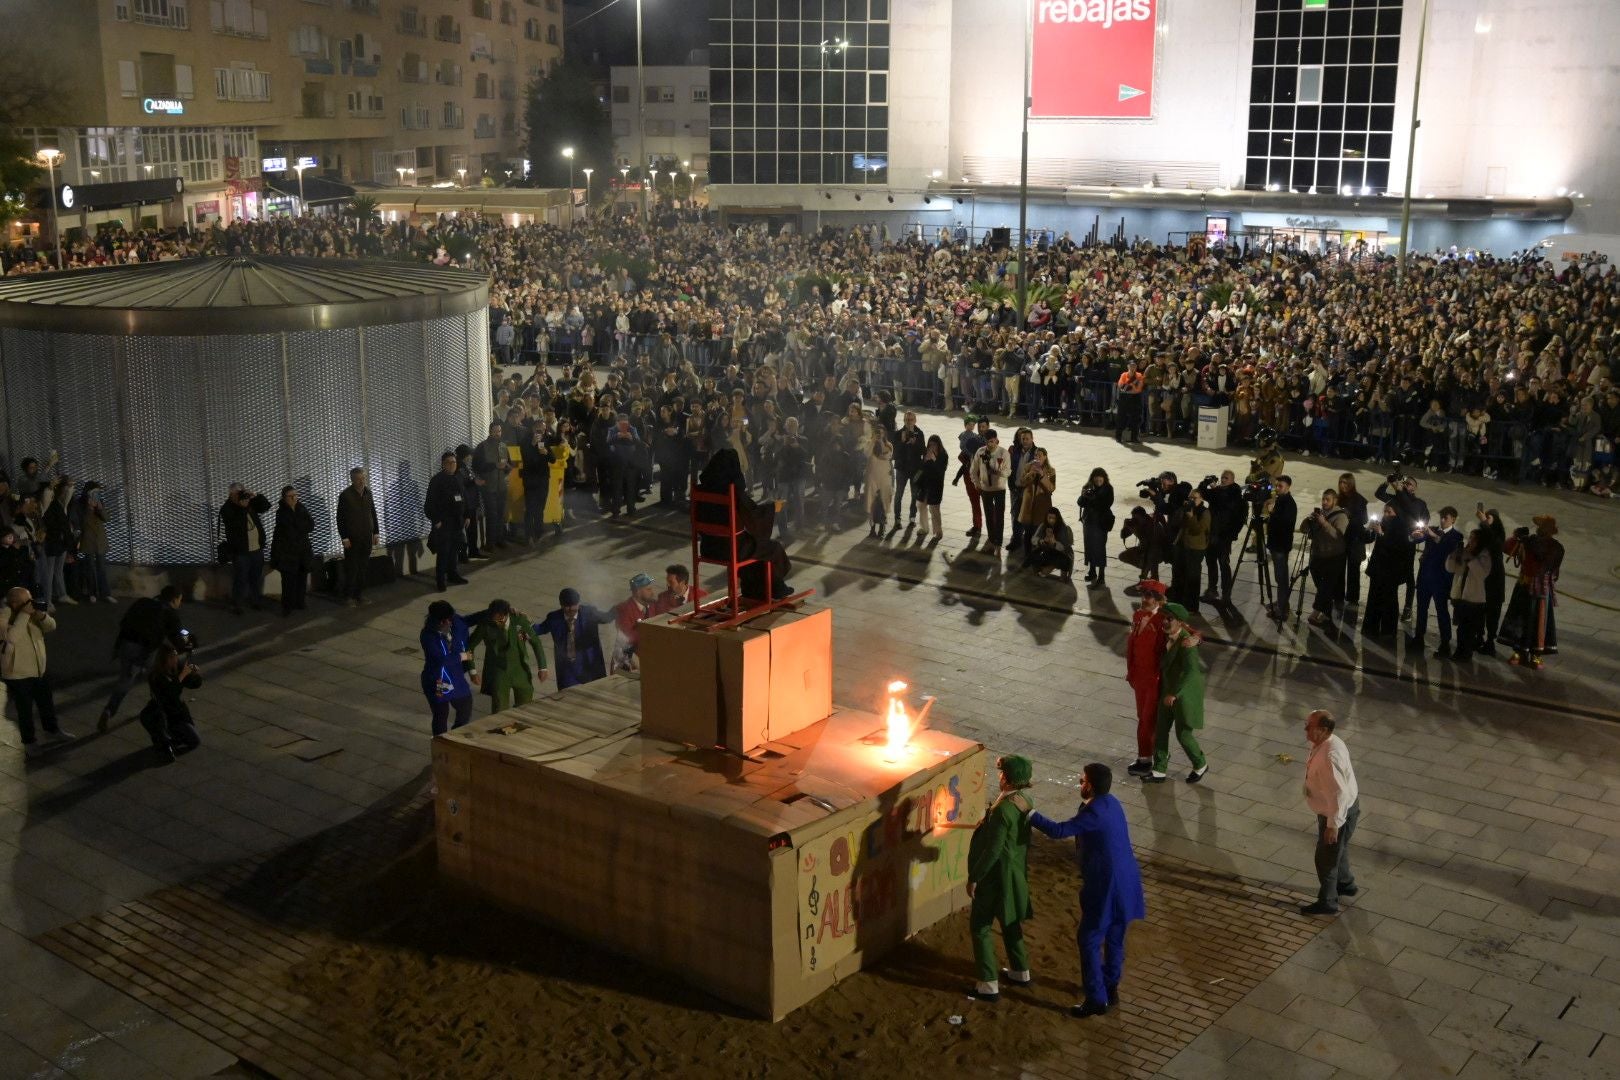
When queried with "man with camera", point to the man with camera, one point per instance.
{"points": [[1280, 542], [244, 545], [1192, 526], [1434, 580], [1412, 512], [1225, 500], [150, 623], [22, 667], [989, 474], [1326, 528]]}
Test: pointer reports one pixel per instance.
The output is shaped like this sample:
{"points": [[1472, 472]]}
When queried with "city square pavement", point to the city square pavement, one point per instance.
{"points": [[1484, 941]]}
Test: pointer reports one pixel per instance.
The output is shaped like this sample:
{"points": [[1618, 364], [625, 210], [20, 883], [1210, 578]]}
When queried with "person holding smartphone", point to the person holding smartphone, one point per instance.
{"points": [[23, 667]]}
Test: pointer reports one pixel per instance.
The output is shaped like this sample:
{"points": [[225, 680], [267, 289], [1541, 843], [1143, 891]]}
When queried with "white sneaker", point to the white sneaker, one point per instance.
{"points": [[60, 736], [109, 599], [69, 600]]}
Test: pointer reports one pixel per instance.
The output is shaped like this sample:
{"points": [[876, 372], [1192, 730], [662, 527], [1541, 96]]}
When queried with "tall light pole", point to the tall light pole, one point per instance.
{"points": [[1411, 145], [641, 116], [1023, 176], [587, 171], [49, 155], [568, 152], [299, 167]]}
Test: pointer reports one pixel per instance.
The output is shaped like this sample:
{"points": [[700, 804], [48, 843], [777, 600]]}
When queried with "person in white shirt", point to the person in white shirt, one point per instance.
{"points": [[1331, 793]]}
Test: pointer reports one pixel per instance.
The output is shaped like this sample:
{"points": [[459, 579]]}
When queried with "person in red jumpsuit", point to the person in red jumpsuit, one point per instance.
{"points": [[1144, 649]]}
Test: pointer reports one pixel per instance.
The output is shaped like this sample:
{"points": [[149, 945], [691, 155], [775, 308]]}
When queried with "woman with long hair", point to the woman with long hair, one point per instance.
{"points": [[931, 484], [1354, 505], [1052, 546], [879, 478], [1096, 523]]}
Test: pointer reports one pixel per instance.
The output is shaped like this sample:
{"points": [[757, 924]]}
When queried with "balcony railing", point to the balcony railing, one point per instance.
{"points": [[366, 114], [452, 34], [484, 131], [318, 67], [364, 7], [414, 27]]}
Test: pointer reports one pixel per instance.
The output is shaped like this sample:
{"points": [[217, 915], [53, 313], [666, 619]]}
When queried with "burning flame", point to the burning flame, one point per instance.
{"points": [[900, 723]]}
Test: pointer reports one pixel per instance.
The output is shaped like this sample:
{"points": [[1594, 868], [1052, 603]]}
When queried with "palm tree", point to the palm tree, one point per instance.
{"points": [[364, 208]]}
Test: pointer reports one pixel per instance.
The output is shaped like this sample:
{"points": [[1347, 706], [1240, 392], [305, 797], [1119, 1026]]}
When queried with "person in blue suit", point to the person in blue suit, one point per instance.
{"points": [[1434, 580], [575, 640], [1110, 889], [448, 671]]}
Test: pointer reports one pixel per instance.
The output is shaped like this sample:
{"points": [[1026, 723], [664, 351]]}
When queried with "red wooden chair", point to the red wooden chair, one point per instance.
{"points": [[730, 608]]}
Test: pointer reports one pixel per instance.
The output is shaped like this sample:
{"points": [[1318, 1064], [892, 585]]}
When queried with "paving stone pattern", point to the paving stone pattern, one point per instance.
{"points": [[1486, 940]]}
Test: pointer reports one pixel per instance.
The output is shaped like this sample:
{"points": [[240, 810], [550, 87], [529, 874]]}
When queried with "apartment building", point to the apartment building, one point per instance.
{"points": [[675, 104], [210, 105]]}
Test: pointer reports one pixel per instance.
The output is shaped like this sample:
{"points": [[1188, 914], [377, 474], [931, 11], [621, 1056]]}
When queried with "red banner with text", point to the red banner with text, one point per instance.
{"points": [[1093, 59]]}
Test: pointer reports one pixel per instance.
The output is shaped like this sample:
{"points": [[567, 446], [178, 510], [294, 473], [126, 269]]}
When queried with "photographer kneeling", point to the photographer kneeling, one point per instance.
{"points": [[1326, 529], [167, 717]]}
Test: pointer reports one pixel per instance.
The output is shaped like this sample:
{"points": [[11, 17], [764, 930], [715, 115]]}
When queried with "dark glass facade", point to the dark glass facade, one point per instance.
{"points": [[1322, 95], [798, 91]]}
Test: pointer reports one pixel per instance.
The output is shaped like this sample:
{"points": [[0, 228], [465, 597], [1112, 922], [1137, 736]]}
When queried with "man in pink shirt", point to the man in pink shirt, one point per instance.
{"points": [[1331, 793]]}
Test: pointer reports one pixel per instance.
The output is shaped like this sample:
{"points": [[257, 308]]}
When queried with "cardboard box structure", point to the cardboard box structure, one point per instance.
{"points": [[740, 687], [763, 880]]}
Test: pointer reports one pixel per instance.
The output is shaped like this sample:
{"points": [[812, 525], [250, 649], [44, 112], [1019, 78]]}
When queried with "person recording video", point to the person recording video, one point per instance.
{"points": [[1280, 542], [1192, 530], [1225, 499], [1326, 528]]}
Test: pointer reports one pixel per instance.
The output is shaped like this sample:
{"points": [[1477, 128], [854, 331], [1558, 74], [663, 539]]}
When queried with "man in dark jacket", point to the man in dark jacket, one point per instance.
{"points": [[576, 640], [149, 623], [1280, 526], [490, 465], [622, 460], [358, 529], [443, 507], [1226, 525], [1413, 514], [244, 545]]}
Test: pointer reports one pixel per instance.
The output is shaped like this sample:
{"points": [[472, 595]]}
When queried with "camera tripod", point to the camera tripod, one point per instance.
{"points": [[1257, 531]]}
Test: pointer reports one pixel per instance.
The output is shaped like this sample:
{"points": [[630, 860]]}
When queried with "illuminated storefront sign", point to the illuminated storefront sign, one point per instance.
{"points": [[1093, 59], [166, 106], [279, 164]]}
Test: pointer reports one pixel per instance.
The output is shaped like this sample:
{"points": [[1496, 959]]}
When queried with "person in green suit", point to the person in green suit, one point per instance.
{"points": [[1181, 700], [505, 635], [998, 880]]}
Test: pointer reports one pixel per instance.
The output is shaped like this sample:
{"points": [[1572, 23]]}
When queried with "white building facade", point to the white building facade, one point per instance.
{"points": [[1253, 112], [674, 106]]}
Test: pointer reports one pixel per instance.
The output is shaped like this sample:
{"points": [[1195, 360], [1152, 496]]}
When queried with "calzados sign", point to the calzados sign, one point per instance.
{"points": [[1093, 59]]}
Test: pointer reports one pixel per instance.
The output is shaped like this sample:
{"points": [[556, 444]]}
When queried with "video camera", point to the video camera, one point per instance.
{"points": [[1257, 491], [1148, 488], [1396, 478]]}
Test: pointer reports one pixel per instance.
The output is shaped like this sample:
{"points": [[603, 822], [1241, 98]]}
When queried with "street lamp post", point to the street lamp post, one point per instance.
{"points": [[303, 207], [1411, 146], [568, 152], [50, 155], [587, 171]]}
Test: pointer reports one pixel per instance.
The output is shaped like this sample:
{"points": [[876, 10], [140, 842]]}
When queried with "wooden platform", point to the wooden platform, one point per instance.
{"points": [[763, 879]]}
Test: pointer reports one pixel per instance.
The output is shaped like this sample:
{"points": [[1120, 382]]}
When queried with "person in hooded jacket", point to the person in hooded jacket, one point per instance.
{"points": [[448, 671]]}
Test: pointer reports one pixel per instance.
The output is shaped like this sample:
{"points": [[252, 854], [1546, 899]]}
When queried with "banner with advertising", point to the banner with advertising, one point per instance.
{"points": [[1093, 59]]}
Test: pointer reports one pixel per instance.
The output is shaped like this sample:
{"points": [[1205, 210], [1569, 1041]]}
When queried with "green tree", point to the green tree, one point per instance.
{"points": [[18, 173], [563, 109], [364, 209]]}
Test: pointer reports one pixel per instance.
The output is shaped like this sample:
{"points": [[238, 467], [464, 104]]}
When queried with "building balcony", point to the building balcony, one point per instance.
{"points": [[318, 67], [484, 131], [366, 114], [365, 69]]}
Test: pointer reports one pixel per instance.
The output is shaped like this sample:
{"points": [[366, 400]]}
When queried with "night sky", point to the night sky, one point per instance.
{"points": [[670, 30]]}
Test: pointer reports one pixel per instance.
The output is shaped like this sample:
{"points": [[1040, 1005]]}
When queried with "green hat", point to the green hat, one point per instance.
{"points": [[1177, 612], [1019, 770]]}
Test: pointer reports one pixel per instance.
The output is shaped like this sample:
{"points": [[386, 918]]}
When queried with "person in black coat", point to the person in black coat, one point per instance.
{"points": [[1387, 567], [1226, 525], [244, 545], [1413, 513], [910, 444], [1096, 522], [291, 553], [167, 717], [443, 507], [1280, 526], [359, 531], [1494, 535]]}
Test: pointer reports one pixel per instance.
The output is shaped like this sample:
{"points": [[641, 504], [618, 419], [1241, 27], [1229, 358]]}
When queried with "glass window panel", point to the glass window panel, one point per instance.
{"points": [[1282, 144], [742, 56], [879, 9], [877, 88], [787, 139], [877, 36], [834, 10], [1311, 50], [855, 116], [877, 141], [1260, 81], [720, 116], [765, 116], [810, 140], [1282, 118], [1255, 175], [1313, 23], [877, 117], [788, 34], [1378, 175], [742, 116], [765, 87], [787, 87], [719, 168], [1383, 84], [719, 140], [1382, 118], [1278, 172], [1308, 118], [878, 59], [765, 32], [1288, 24], [1328, 144], [1378, 144], [1389, 22], [809, 167], [1363, 22], [1332, 118], [719, 56], [1336, 51], [765, 139], [787, 169], [787, 9], [1265, 52], [765, 57], [1333, 84], [1288, 52], [1257, 143], [742, 86], [1305, 144], [742, 170], [1310, 85], [1361, 50], [1388, 50], [1265, 25], [1303, 175], [1259, 117], [1355, 117], [1327, 174], [832, 140], [1352, 174], [1338, 22], [765, 9], [743, 140]]}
